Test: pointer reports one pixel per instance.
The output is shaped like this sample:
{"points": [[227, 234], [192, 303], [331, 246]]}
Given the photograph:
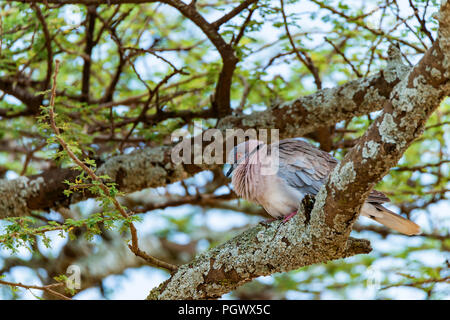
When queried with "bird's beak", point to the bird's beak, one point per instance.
{"points": [[230, 171]]}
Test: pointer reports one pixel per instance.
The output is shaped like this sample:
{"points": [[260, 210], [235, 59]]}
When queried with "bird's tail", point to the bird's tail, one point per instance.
{"points": [[390, 219]]}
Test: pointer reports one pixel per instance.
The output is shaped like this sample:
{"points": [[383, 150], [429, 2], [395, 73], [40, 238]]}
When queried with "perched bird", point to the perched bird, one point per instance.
{"points": [[278, 176]]}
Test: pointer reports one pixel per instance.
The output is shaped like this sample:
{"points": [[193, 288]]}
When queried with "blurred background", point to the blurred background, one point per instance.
{"points": [[136, 51]]}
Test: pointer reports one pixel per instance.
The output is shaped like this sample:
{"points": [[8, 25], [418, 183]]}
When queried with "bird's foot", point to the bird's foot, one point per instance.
{"points": [[266, 223], [289, 216]]}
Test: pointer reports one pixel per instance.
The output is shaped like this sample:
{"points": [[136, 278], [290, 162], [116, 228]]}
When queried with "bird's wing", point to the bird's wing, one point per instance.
{"points": [[377, 197], [303, 166], [306, 167]]}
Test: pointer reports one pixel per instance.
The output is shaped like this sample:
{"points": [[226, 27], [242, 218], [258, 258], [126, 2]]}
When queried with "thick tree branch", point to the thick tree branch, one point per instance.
{"points": [[15, 88], [90, 27], [259, 251]]}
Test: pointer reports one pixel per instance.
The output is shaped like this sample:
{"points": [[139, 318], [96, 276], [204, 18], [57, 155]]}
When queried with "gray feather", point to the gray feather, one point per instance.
{"points": [[303, 166]]}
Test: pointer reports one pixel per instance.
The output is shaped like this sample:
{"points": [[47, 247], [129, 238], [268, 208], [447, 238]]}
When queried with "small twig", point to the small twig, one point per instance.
{"points": [[338, 51], [417, 283], [245, 93], [376, 32], [29, 157], [47, 288], [48, 45], [243, 27], [422, 22], [305, 59], [152, 93], [245, 4], [421, 168]]}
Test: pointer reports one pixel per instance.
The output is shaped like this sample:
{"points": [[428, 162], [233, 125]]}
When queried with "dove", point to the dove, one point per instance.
{"points": [[278, 176]]}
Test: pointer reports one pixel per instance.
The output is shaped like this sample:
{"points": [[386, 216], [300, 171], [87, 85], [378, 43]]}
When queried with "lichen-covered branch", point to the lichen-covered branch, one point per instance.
{"points": [[403, 120], [325, 107], [259, 251]]}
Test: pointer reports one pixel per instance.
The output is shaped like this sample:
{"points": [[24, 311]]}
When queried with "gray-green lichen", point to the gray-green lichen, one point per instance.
{"points": [[318, 214], [406, 98], [373, 95], [395, 69], [14, 195], [344, 176], [388, 129], [435, 73], [370, 150]]}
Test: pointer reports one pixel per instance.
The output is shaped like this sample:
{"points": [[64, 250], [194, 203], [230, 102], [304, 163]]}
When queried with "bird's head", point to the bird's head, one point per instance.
{"points": [[241, 153]]}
